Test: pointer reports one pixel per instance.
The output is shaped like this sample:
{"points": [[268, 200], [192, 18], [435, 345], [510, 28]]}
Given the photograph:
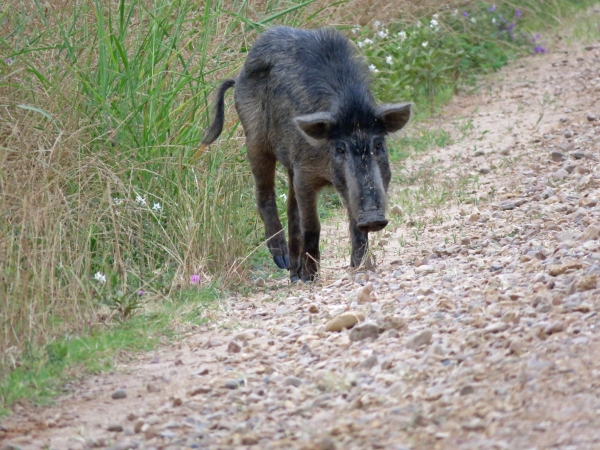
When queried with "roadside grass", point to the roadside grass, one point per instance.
{"points": [[42, 372], [106, 220]]}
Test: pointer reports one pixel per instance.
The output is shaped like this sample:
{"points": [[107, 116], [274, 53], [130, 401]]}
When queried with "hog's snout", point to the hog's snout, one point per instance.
{"points": [[371, 221]]}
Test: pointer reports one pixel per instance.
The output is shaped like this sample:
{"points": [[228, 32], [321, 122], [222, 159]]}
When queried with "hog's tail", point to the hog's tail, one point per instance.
{"points": [[216, 127]]}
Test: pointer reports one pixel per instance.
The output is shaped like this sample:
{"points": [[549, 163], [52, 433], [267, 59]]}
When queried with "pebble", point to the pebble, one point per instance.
{"points": [[396, 210], [496, 327], [369, 362], [152, 388], [559, 269], [484, 170], [560, 174], [586, 283], [363, 294], [345, 320], [234, 384], [420, 339], [557, 156], [591, 117], [364, 331], [426, 268], [116, 427], [292, 381], [466, 390], [591, 233], [554, 327], [118, 394], [234, 347]]}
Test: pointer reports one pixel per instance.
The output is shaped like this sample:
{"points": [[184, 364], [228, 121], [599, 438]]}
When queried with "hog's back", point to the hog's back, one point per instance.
{"points": [[288, 73]]}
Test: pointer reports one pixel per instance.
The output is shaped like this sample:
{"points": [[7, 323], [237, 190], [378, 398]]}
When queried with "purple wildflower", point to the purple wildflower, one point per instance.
{"points": [[518, 13], [140, 293], [465, 14], [536, 37], [9, 61], [195, 279], [539, 49], [492, 8], [510, 26]]}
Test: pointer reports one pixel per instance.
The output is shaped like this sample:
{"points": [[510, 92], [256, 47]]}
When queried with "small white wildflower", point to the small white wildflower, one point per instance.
{"points": [[455, 12], [373, 69], [156, 207], [118, 201], [140, 200], [100, 277], [377, 24], [433, 24], [425, 44], [493, 20], [355, 29], [473, 19], [383, 34], [435, 16], [283, 197], [402, 35], [368, 41], [418, 24], [389, 59], [360, 44]]}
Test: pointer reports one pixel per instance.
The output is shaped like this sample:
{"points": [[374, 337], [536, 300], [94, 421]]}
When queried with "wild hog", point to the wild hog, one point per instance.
{"points": [[303, 99]]}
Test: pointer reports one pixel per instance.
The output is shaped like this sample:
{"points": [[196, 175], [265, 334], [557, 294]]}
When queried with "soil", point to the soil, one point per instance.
{"points": [[479, 333]]}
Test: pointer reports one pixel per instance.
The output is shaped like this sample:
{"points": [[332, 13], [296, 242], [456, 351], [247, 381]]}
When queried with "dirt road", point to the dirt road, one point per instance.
{"points": [[479, 331]]}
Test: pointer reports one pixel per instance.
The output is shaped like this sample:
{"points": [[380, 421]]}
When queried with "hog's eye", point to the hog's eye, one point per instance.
{"points": [[340, 149], [378, 145]]}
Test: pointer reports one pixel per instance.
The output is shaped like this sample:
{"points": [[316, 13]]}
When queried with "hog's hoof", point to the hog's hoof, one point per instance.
{"points": [[294, 279], [283, 262]]}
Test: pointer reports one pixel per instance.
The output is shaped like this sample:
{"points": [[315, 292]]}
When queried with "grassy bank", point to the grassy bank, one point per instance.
{"points": [[103, 215]]}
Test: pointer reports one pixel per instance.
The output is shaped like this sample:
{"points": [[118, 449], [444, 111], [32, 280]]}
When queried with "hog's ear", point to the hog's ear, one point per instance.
{"points": [[315, 127], [394, 116]]}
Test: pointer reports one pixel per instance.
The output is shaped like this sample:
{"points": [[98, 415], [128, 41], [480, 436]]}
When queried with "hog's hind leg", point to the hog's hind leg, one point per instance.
{"points": [[263, 169]]}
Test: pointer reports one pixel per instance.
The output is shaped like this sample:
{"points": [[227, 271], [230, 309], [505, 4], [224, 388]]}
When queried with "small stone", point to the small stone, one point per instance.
{"points": [[202, 371], [560, 174], [426, 268], [199, 390], [292, 381], [591, 117], [465, 240], [563, 120], [364, 331], [474, 425], [345, 320], [234, 347], [313, 309], [466, 390], [559, 269], [586, 283], [391, 323], [361, 278], [368, 363], [234, 384], [496, 327], [505, 151], [244, 336], [557, 156], [116, 427], [152, 388], [249, 439], [260, 282], [591, 233], [484, 170], [554, 327], [137, 427], [507, 206], [577, 154], [474, 217], [568, 134], [516, 347], [547, 193], [363, 294], [325, 443], [419, 339], [396, 210], [118, 394], [479, 153], [176, 402]]}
